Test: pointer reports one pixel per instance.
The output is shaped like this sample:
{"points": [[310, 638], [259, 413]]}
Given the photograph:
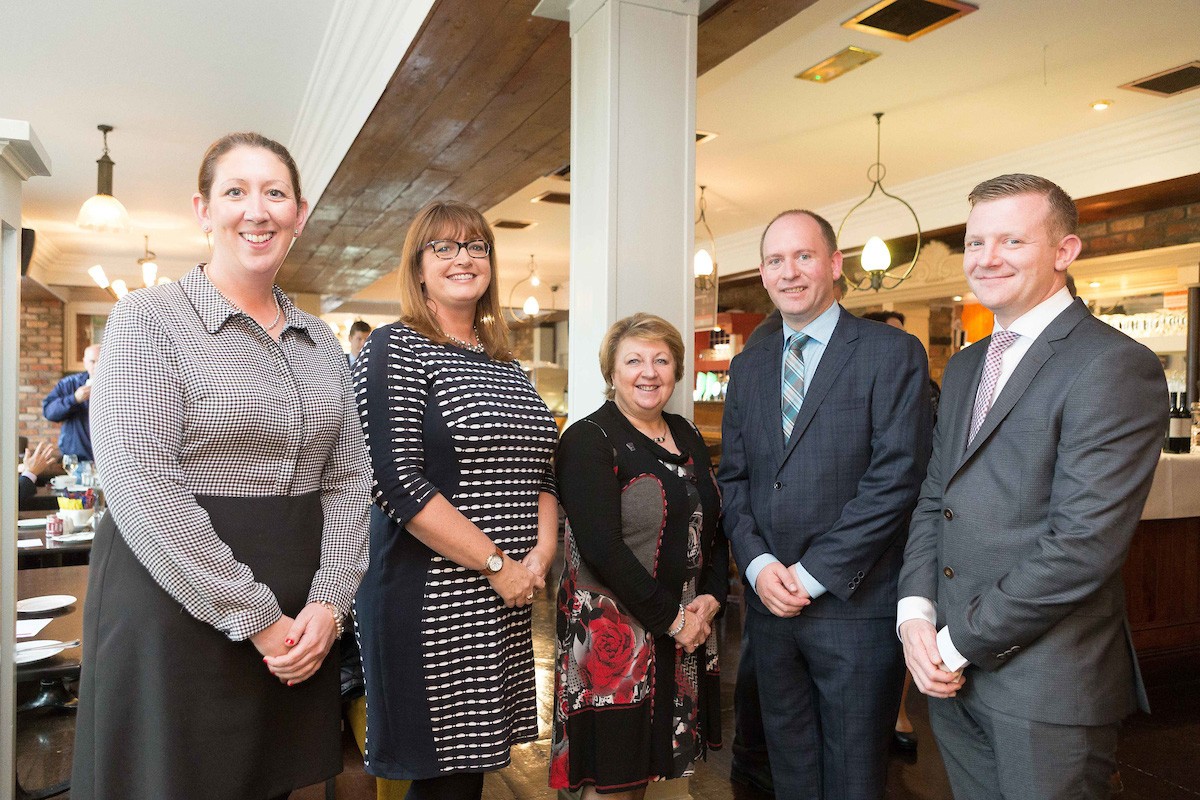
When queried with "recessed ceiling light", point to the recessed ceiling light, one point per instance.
{"points": [[1094, 284], [957, 298], [1100, 105], [837, 65]]}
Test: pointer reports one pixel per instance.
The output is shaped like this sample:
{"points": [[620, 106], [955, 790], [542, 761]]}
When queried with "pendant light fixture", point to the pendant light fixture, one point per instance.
{"points": [[875, 258], [704, 268], [149, 265], [531, 307], [103, 212]]}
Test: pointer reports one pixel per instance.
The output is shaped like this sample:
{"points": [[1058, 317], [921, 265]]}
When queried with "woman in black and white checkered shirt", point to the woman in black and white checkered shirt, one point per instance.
{"points": [[237, 480]]}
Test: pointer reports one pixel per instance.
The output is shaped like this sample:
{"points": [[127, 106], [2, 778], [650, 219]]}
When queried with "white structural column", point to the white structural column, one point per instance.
{"points": [[21, 157], [633, 123]]}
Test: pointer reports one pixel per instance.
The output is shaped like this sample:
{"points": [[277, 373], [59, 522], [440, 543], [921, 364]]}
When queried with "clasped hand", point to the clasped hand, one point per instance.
{"points": [[924, 660], [518, 581], [780, 592], [700, 613], [293, 649]]}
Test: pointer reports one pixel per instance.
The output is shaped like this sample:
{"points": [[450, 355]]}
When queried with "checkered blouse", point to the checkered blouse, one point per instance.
{"points": [[192, 397]]}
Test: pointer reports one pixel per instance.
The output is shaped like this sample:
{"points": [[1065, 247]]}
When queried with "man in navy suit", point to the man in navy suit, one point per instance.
{"points": [[825, 440]]}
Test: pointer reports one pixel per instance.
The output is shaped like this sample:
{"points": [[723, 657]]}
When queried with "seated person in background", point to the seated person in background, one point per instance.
{"points": [[38, 464]]}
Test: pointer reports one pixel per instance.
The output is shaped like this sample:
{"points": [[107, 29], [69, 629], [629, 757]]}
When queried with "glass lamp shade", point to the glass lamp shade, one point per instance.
{"points": [[875, 256], [119, 288], [531, 306], [702, 264], [149, 273], [103, 212], [97, 273], [163, 279]]}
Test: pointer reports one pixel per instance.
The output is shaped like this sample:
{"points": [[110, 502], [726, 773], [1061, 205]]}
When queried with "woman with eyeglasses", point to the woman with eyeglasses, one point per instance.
{"points": [[465, 521]]}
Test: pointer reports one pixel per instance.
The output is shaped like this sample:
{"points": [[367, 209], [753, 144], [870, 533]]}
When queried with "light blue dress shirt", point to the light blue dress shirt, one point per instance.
{"points": [[819, 331]]}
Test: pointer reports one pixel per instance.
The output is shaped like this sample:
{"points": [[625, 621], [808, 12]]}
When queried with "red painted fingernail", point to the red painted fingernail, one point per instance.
{"points": [[288, 642], [289, 683], [264, 659]]}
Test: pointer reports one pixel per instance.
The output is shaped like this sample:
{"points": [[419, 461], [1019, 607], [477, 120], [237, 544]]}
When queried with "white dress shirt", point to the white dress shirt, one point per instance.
{"points": [[1028, 326]]}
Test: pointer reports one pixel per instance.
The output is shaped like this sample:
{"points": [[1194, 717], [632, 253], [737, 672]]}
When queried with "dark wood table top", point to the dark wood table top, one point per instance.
{"points": [[67, 623], [26, 556]]}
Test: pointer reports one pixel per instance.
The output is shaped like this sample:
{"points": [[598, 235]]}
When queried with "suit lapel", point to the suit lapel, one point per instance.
{"points": [[1032, 362], [841, 345], [771, 402]]}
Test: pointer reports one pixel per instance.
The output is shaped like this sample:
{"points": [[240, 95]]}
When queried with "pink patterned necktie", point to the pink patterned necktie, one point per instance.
{"points": [[1001, 341]]}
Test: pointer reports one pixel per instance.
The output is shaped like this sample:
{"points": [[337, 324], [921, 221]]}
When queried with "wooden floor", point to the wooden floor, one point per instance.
{"points": [[1159, 754]]}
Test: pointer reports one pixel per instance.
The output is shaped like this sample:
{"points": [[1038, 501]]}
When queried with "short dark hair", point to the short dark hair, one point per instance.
{"points": [[827, 232], [358, 326], [1063, 219], [884, 316]]}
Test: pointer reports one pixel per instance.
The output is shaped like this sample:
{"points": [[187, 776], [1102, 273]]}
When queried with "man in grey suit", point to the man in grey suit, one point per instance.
{"points": [[1012, 608], [824, 442]]}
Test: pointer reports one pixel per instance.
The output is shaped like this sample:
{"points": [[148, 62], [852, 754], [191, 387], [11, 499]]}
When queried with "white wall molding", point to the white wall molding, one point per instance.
{"points": [[364, 44]]}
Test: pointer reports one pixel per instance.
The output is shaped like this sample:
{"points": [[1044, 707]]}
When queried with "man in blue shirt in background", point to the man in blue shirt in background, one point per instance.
{"points": [[68, 403]]}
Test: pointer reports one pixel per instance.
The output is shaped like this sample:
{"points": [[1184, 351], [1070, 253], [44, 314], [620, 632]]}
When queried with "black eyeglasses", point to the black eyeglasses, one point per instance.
{"points": [[447, 249]]}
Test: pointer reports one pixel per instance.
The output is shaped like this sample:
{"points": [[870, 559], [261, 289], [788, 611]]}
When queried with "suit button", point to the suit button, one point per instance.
{"points": [[777, 486], [948, 514], [949, 573]]}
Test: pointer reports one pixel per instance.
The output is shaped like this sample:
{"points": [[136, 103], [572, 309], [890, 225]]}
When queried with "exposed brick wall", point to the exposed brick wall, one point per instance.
{"points": [[41, 366], [1162, 228], [941, 338]]}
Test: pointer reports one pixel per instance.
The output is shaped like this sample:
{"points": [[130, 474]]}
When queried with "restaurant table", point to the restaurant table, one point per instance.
{"points": [[51, 552], [53, 672]]}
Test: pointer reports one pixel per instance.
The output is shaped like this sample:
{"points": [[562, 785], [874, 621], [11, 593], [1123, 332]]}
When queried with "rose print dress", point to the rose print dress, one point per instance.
{"points": [[643, 536]]}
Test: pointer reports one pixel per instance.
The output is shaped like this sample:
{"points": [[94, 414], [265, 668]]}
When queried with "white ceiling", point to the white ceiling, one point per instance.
{"points": [[1014, 78]]}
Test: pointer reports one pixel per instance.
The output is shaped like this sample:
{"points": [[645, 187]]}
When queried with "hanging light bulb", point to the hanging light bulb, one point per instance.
{"points": [[163, 279], [102, 211], [531, 306], [876, 259], [149, 266], [875, 255], [97, 273], [702, 264], [119, 288]]}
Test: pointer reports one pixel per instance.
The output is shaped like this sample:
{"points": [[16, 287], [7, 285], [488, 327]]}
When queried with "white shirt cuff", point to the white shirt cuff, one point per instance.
{"points": [[915, 607], [811, 585], [953, 659], [756, 566], [30, 476]]}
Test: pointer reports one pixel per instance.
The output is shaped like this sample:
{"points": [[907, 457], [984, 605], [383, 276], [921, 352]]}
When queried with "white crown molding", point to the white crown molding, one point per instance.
{"points": [[21, 149], [364, 44], [1151, 147]]}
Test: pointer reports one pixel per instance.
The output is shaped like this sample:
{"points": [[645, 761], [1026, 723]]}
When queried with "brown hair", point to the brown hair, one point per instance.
{"points": [[639, 326], [450, 219], [1063, 217], [231, 141], [827, 232]]}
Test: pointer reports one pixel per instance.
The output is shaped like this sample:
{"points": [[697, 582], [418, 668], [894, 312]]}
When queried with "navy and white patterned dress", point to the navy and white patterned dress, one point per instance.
{"points": [[449, 669]]}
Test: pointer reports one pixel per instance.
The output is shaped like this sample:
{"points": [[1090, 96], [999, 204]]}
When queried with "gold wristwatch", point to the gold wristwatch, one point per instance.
{"points": [[494, 563]]}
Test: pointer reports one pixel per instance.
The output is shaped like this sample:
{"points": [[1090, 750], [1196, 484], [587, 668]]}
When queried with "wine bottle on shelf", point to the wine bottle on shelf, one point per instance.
{"points": [[1179, 432]]}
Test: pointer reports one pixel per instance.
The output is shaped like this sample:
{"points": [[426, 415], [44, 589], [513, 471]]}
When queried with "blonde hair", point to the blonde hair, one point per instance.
{"points": [[450, 219], [639, 326], [1062, 218]]}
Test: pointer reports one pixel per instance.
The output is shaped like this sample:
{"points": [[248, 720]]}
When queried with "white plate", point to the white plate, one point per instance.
{"points": [[31, 523], [40, 654], [78, 536], [49, 602]]}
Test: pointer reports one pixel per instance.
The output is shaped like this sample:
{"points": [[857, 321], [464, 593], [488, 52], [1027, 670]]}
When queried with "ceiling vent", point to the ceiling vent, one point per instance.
{"points": [[1168, 83], [704, 136], [908, 19], [559, 198], [562, 173], [513, 224], [838, 65]]}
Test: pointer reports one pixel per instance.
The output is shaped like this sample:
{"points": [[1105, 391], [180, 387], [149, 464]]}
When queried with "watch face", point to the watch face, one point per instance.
{"points": [[495, 563]]}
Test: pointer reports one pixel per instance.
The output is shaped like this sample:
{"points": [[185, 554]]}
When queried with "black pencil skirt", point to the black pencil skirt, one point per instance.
{"points": [[169, 707]]}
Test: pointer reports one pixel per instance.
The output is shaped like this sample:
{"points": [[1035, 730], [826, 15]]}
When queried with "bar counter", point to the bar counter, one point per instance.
{"points": [[1162, 573]]}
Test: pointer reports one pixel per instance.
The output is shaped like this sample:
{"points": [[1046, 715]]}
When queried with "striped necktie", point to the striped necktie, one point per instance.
{"points": [[1001, 341], [793, 382]]}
